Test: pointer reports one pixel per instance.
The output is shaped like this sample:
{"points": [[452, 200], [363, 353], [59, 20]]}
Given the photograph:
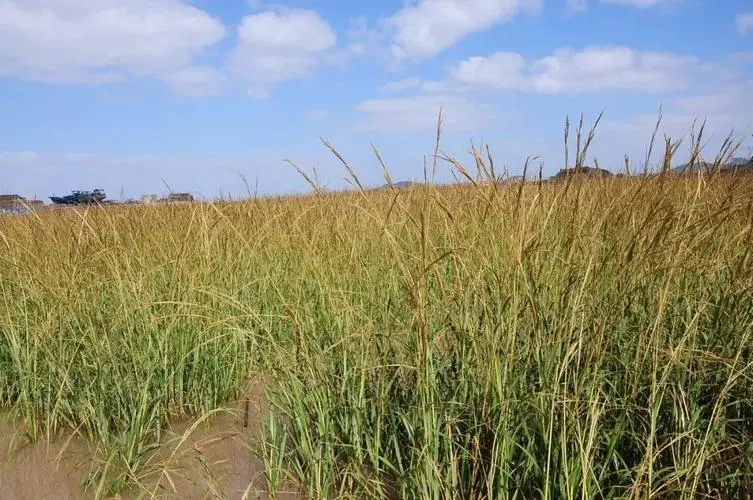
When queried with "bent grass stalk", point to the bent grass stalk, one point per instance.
{"points": [[483, 340]]}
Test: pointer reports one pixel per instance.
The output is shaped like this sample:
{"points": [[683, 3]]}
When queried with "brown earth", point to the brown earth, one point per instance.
{"points": [[200, 460]]}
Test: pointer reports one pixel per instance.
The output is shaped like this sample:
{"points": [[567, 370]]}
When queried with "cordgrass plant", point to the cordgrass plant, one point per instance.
{"points": [[598, 344], [490, 339]]}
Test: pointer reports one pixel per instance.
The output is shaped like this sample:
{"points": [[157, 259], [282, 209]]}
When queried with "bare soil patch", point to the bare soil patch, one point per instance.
{"points": [[200, 459]]}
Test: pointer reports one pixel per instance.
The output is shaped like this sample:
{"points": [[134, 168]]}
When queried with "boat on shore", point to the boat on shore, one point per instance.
{"points": [[80, 198]]}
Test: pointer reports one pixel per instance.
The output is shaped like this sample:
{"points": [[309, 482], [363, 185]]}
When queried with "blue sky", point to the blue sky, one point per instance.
{"points": [[136, 95]]}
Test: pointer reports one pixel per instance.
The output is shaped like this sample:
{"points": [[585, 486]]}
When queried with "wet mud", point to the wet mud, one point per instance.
{"points": [[206, 459]]}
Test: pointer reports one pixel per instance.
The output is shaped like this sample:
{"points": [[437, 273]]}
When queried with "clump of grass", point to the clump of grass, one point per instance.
{"points": [[482, 340], [557, 341], [110, 327]]}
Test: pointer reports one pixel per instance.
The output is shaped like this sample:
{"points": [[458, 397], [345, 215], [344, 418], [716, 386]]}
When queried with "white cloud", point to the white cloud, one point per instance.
{"points": [[744, 22], [400, 85], [95, 41], [500, 70], [420, 113], [568, 71], [362, 40], [276, 46], [424, 29], [613, 68], [575, 6]]}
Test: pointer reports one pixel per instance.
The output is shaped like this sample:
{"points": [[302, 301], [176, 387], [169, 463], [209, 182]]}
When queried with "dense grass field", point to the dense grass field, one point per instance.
{"points": [[491, 340]]}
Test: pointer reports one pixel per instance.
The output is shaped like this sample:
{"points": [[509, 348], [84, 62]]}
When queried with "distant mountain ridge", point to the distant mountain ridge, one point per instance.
{"points": [[735, 164], [583, 171]]}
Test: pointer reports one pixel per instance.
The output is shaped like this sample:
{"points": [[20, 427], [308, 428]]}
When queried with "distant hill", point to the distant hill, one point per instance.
{"points": [[735, 164], [696, 168], [400, 184], [582, 172], [740, 161], [746, 167]]}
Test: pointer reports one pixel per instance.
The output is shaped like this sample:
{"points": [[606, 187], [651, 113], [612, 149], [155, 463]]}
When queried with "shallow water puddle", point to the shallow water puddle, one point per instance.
{"points": [[200, 460], [40, 470]]}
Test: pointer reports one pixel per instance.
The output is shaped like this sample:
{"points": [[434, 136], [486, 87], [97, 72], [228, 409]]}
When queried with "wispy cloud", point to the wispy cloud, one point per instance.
{"points": [[419, 113], [575, 6], [742, 57], [18, 157], [744, 22], [641, 4], [570, 71]]}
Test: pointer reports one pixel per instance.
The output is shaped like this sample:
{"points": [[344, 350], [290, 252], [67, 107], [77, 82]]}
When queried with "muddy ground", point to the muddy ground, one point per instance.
{"points": [[215, 460]]}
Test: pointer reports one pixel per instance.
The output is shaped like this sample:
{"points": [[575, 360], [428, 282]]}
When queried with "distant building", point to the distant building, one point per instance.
{"points": [[149, 198], [14, 202], [179, 197], [10, 200]]}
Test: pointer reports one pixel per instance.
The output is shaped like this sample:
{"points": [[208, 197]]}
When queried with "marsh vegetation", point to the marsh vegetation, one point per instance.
{"points": [[586, 339]]}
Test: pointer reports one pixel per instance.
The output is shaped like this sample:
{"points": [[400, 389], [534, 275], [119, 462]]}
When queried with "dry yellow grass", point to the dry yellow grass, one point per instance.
{"points": [[556, 340]]}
